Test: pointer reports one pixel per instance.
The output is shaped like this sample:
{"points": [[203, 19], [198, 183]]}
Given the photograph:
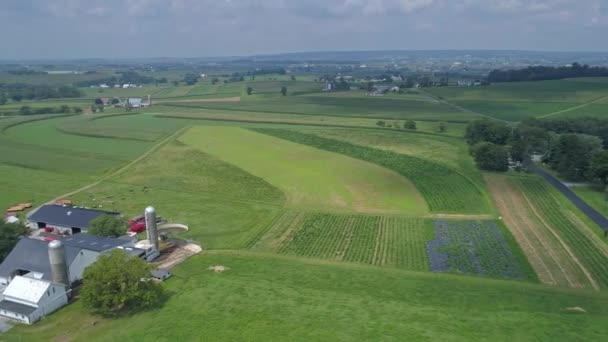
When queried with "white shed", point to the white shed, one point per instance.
{"points": [[28, 299]]}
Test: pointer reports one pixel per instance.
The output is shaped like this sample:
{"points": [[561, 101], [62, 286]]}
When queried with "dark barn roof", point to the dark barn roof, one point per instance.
{"points": [[68, 216], [17, 308], [92, 242], [33, 255]]}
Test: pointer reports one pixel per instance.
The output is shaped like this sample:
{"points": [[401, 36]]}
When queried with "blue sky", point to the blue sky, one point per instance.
{"points": [[198, 28]]}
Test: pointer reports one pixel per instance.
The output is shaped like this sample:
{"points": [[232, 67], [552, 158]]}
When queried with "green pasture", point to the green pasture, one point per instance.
{"points": [[594, 197], [378, 108], [262, 297], [48, 79], [514, 110], [223, 205], [310, 178], [190, 113], [567, 91], [444, 189]]}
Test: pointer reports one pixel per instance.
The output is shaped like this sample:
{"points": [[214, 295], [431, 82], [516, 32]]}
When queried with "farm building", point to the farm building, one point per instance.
{"points": [[30, 256], [28, 299], [37, 275], [160, 274], [134, 102], [65, 219]]}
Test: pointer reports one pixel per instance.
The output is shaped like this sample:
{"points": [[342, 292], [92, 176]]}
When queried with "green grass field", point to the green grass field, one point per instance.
{"points": [[311, 178], [519, 100], [263, 297], [444, 189]]}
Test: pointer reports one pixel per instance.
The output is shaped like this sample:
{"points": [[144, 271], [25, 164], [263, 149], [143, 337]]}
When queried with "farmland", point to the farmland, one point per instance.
{"points": [[445, 190], [324, 220], [520, 100], [311, 179]]}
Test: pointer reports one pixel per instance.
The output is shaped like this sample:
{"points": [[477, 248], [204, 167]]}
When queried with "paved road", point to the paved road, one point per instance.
{"points": [[593, 214]]}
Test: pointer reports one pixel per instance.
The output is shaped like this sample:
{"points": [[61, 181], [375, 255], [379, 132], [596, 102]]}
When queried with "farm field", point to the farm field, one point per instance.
{"points": [[311, 178], [519, 100], [550, 233], [172, 112], [266, 297], [378, 108], [445, 190]]}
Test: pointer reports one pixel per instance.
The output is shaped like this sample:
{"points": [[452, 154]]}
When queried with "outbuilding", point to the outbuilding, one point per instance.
{"points": [[65, 219]]}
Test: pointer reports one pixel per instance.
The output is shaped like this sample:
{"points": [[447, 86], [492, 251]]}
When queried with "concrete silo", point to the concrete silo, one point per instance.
{"points": [[151, 229], [59, 268]]}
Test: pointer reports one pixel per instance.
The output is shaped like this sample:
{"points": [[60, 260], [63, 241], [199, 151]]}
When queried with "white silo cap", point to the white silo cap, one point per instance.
{"points": [[55, 244], [150, 209]]}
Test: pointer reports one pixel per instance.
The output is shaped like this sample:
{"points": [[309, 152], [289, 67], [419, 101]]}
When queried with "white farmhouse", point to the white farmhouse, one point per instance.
{"points": [[28, 299]]}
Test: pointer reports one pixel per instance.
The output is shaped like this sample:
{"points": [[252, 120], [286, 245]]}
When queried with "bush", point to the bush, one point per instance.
{"points": [[409, 124]]}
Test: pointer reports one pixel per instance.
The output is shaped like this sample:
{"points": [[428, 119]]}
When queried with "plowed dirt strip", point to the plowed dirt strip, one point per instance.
{"points": [[547, 256]]}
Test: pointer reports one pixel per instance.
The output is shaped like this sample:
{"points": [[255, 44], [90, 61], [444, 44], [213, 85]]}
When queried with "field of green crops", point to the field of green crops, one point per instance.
{"points": [[587, 246], [376, 240]]}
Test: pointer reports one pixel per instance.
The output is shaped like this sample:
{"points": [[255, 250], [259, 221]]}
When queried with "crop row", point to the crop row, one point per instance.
{"points": [[594, 259], [376, 240], [444, 189], [472, 247]]}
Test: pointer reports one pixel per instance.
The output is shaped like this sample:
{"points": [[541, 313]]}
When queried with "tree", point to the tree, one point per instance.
{"points": [[25, 110], [3, 99], [490, 157], [571, 155], [284, 90], [9, 236], [370, 86], [519, 151], [65, 109], [190, 78], [98, 101], [249, 90], [380, 123], [17, 97], [599, 168], [486, 130], [107, 225], [176, 83], [77, 110], [293, 77], [409, 124], [118, 283], [442, 127]]}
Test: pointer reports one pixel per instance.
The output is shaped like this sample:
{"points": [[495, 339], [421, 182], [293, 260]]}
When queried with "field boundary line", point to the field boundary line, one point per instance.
{"points": [[566, 247], [123, 168], [573, 108], [460, 108]]}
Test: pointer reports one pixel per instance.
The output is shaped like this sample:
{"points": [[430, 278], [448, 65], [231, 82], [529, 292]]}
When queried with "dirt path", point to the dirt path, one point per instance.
{"points": [[221, 99], [122, 169], [573, 108], [548, 255]]}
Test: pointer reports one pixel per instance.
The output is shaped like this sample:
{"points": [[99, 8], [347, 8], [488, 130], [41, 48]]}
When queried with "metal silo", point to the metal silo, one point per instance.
{"points": [[151, 229], [59, 268]]}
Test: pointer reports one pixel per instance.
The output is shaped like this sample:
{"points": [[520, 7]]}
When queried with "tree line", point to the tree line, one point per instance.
{"points": [[541, 73], [22, 91], [576, 152]]}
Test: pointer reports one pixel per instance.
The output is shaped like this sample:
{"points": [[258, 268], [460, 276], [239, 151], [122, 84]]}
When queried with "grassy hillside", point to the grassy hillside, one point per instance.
{"points": [[311, 178], [262, 297]]}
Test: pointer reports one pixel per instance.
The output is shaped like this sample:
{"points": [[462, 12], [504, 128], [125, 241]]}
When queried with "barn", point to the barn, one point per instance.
{"points": [[65, 219], [28, 299]]}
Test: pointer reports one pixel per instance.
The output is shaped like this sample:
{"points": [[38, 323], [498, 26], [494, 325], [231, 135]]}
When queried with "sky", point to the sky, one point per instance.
{"points": [[41, 29]]}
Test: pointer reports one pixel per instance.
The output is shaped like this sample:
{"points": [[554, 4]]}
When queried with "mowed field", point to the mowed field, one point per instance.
{"points": [[263, 297], [519, 100], [311, 178]]}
